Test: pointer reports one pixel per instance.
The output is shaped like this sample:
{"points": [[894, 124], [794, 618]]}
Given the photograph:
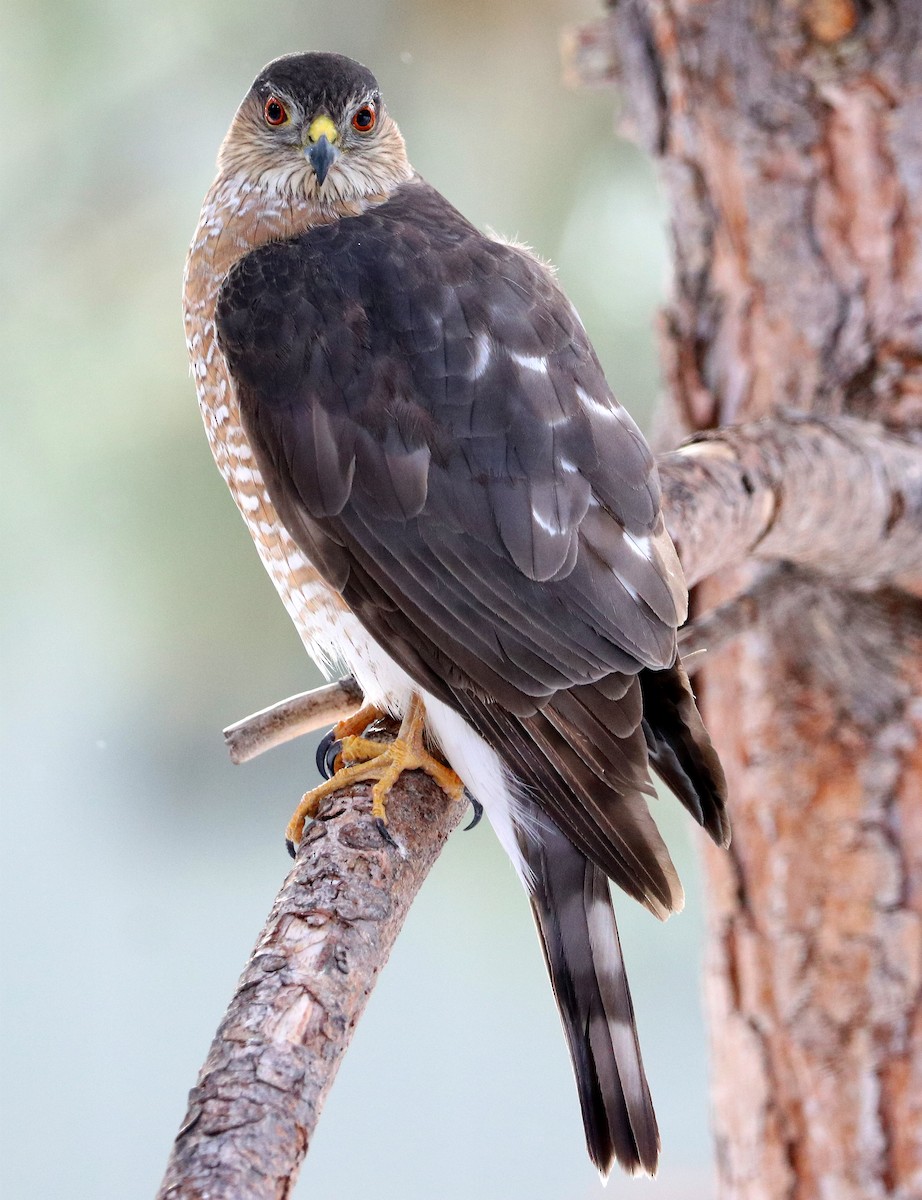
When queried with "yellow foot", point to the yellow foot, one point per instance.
{"points": [[383, 762]]}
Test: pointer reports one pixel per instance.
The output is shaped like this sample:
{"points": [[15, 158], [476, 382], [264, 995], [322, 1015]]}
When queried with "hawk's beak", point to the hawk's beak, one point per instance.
{"points": [[320, 150], [322, 155]]}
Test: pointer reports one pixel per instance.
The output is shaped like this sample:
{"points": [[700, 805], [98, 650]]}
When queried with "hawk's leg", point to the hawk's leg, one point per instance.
{"points": [[358, 722], [383, 762]]}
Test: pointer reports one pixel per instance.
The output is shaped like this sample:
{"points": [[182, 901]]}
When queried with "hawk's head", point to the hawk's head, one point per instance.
{"points": [[315, 126]]}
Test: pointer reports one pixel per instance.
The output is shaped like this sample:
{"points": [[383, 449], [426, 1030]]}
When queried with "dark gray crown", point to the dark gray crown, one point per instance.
{"points": [[315, 81]]}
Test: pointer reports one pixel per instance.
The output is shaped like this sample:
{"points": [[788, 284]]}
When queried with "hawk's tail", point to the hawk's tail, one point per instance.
{"points": [[573, 910]]}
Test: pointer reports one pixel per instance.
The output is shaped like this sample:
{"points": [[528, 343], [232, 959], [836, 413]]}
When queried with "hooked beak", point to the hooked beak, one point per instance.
{"points": [[321, 155]]}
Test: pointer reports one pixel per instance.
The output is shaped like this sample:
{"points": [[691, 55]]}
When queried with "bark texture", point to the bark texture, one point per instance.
{"points": [[836, 495], [790, 141], [252, 1113]]}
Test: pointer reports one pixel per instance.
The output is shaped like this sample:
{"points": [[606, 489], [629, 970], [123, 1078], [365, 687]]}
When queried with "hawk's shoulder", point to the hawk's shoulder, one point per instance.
{"points": [[413, 268]]}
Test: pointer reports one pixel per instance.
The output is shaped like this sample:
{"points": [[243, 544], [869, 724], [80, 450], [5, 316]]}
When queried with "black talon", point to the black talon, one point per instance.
{"points": [[327, 750], [291, 847], [332, 754], [385, 832], [478, 813]]}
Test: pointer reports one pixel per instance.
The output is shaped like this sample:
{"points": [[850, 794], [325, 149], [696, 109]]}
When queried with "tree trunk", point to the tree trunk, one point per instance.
{"points": [[790, 140]]}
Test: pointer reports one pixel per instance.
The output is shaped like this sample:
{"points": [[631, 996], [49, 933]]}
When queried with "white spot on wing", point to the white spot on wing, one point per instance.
{"points": [[483, 354], [591, 405], [531, 362], [639, 546], [630, 590], [548, 526]]}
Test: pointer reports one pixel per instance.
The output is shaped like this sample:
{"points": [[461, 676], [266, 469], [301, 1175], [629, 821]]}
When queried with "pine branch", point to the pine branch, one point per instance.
{"points": [[252, 1113], [839, 496]]}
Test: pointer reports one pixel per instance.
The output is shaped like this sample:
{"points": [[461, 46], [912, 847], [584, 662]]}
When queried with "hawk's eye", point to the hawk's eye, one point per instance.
{"points": [[275, 112], [364, 120]]}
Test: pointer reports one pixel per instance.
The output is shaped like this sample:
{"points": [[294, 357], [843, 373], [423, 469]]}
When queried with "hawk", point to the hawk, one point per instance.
{"points": [[450, 501]]}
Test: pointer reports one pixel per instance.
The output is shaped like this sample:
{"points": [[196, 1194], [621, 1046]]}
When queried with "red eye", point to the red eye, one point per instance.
{"points": [[275, 112], [365, 119]]}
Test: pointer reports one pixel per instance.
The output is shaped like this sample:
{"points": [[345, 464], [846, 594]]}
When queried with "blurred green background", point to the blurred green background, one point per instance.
{"points": [[137, 863]]}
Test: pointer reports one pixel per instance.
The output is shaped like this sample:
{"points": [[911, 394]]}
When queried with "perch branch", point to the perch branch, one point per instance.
{"points": [[252, 1112], [839, 496]]}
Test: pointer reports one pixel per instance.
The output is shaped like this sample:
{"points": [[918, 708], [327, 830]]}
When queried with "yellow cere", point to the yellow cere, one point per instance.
{"points": [[320, 126]]}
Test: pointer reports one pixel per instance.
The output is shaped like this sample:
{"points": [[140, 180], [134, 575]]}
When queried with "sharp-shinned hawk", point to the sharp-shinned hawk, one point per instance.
{"points": [[450, 501]]}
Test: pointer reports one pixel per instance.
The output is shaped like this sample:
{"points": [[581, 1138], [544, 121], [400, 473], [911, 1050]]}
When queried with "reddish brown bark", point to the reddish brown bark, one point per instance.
{"points": [[789, 140]]}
